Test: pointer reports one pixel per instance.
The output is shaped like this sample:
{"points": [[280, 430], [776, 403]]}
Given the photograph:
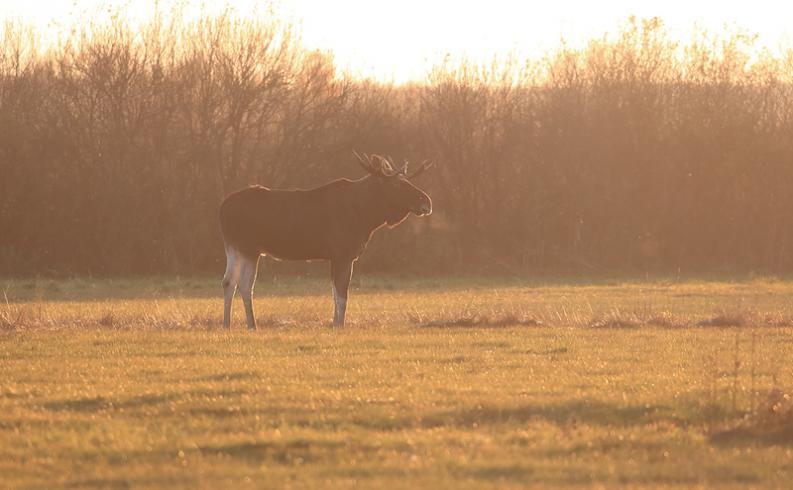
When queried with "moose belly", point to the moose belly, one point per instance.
{"points": [[294, 246], [294, 254]]}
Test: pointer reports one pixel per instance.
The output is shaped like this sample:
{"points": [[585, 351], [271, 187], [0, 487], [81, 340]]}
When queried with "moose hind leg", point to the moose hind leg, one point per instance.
{"points": [[248, 271], [230, 279]]}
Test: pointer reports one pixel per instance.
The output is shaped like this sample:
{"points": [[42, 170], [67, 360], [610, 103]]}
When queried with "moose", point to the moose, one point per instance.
{"points": [[333, 222]]}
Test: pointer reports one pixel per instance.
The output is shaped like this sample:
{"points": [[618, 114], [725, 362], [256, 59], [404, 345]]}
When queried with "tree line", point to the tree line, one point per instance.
{"points": [[634, 154]]}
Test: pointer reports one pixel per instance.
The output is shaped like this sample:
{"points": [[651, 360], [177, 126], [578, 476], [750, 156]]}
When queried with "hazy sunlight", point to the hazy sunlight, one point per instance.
{"points": [[401, 41], [499, 244]]}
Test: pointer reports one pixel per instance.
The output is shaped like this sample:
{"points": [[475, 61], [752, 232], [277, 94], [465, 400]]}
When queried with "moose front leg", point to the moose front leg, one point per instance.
{"points": [[340, 273]]}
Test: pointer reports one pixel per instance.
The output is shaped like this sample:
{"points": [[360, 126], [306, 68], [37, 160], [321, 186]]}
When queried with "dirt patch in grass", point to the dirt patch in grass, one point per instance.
{"points": [[479, 321], [615, 322], [729, 319]]}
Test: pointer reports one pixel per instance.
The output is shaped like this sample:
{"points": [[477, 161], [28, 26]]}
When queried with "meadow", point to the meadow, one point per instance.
{"points": [[476, 383]]}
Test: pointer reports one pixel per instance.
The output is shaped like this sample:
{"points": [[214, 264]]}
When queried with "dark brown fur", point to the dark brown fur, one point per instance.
{"points": [[333, 222]]}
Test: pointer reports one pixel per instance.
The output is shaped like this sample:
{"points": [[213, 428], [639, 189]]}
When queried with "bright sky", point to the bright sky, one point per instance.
{"points": [[401, 39]]}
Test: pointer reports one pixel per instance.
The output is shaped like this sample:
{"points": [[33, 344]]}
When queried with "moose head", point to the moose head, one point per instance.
{"points": [[395, 192]]}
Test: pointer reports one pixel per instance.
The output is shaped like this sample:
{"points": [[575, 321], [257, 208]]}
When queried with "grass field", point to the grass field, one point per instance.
{"points": [[433, 383]]}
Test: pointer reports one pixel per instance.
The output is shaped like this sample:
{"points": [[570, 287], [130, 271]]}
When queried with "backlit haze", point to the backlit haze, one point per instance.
{"points": [[400, 41]]}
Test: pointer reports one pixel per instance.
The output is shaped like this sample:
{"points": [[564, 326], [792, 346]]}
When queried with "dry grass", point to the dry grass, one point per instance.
{"points": [[161, 304], [631, 385], [772, 424]]}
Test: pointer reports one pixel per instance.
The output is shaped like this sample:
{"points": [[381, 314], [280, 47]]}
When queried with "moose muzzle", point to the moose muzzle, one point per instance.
{"points": [[424, 208]]}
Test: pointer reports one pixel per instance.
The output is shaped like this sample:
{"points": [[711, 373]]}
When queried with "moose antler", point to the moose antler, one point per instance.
{"points": [[424, 166], [376, 164], [386, 167], [379, 167], [365, 161]]}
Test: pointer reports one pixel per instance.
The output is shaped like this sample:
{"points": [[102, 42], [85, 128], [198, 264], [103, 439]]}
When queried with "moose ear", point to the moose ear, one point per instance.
{"points": [[389, 168], [385, 167]]}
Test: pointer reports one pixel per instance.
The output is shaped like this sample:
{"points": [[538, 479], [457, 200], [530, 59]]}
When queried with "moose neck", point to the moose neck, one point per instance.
{"points": [[373, 211]]}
